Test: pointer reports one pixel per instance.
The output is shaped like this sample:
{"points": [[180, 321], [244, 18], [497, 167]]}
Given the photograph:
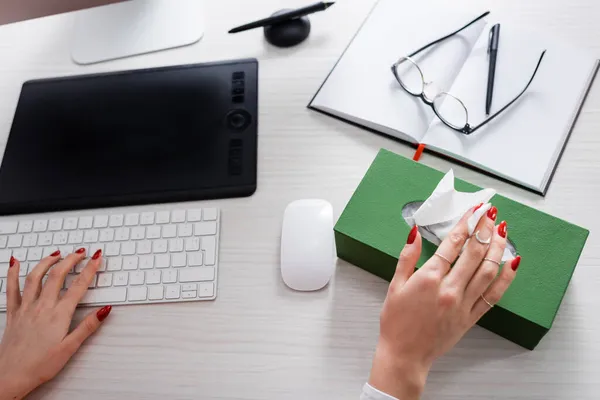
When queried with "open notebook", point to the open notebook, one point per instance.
{"points": [[523, 145]]}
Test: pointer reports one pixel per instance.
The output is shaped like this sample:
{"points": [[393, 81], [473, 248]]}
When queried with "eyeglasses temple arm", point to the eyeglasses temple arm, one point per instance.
{"points": [[515, 99], [485, 14]]}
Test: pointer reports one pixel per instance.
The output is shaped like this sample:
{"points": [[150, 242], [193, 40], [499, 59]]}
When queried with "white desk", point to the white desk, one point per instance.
{"points": [[260, 340]]}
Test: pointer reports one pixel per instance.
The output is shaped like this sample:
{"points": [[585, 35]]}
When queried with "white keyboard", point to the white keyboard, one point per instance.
{"points": [[154, 256]]}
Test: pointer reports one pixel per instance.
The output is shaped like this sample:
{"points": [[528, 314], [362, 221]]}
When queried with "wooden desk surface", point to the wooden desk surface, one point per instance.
{"points": [[260, 340]]}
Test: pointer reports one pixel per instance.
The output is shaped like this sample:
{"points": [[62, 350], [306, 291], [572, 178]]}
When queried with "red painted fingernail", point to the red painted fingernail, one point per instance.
{"points": [[502, 229], [412, 235], [492, 213], [12, 261], [80, 251], [515, 263], [103, 313], [55, 254], [477, 207], [97, 254]]}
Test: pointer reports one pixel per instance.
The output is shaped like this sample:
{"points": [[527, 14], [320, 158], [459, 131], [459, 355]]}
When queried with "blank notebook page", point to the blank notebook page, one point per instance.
{"points": [[523, 143]]}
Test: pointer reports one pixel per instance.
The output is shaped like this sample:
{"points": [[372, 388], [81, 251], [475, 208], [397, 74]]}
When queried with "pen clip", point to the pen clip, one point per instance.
{"points": [[489, 49]]}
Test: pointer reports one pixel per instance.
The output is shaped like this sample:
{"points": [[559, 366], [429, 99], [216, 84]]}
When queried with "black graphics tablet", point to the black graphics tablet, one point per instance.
{"points": [[145, 136]]}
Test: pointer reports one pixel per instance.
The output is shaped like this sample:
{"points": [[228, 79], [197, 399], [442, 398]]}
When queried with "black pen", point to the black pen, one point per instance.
{"points": [[301, 12], [493, 55]]}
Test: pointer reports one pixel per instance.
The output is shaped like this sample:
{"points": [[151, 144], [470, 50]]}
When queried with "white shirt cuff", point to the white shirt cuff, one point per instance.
{"points": [[370, 393]]}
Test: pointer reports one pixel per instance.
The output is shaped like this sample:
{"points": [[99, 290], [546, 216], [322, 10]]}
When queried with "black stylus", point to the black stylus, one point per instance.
{"points": [[493, 55], [301, 12]]}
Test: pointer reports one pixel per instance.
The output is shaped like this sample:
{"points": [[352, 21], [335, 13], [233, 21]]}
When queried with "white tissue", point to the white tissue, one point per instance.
{"points": [[446, 206]]}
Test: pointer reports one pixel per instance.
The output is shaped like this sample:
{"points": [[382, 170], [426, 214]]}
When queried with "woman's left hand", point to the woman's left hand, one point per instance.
{"points": [[37, 344]]}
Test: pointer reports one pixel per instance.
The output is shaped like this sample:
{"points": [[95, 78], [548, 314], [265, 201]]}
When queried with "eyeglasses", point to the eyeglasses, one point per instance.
{"points": [[454, 113]]}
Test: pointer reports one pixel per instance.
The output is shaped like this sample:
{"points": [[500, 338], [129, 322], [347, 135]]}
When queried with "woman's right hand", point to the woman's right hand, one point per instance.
{"points": [[428, 311]]}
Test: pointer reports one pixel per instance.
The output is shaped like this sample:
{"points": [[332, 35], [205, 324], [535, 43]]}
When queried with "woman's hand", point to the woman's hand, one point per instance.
{"points": [[37, 344], [427, 312]]}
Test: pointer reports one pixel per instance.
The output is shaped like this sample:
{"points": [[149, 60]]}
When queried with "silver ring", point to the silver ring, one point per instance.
{"points": [[488, 241], [494, 261], [487, 302], [443, 258]]}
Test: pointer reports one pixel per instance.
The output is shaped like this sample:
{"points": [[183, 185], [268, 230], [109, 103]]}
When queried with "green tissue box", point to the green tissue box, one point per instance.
{"points": [[371, 232]]}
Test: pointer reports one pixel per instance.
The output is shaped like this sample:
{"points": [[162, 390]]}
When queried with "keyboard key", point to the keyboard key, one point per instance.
{"points": [[206, 289], [86, 222], [130, 263], [178, 260], [55, 224], [185, 230], [103, 264], [122, 234], [144, 247], [153, 232], [114, 264], [45, 239], [20, 254], [34, 254], [153, 277], [49, 250], [105, 296], [169, 276], [4, 270], [138, 233], [169, 231], [205, 228], [128, 248], [195, 259], [186, 287], [132, 219], [75, 237], [116, 220], [24, 268], [147, 262], [147, 218], [105, 280], [210, 214], [65, 250], [112, 249], [163, 217], [39, 225], [192, 244], [159, 246], [95, 247], [91, 236], [28, 240], [25, 226], [156, 293], [172, 292], [101, 221], [162, 261], [15, 241], [60, 238], [188, 295], [107, 235], [5, 256], [194, 215], [120, 278], [137, 294], [136, 278], [196, 274], [175, 245], [209, 245], [70, 224], [3, 242], [178, 216], [8, 228]]}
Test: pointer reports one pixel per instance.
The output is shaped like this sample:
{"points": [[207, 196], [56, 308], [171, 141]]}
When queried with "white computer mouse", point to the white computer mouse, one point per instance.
{"points": [[307, 245]]}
